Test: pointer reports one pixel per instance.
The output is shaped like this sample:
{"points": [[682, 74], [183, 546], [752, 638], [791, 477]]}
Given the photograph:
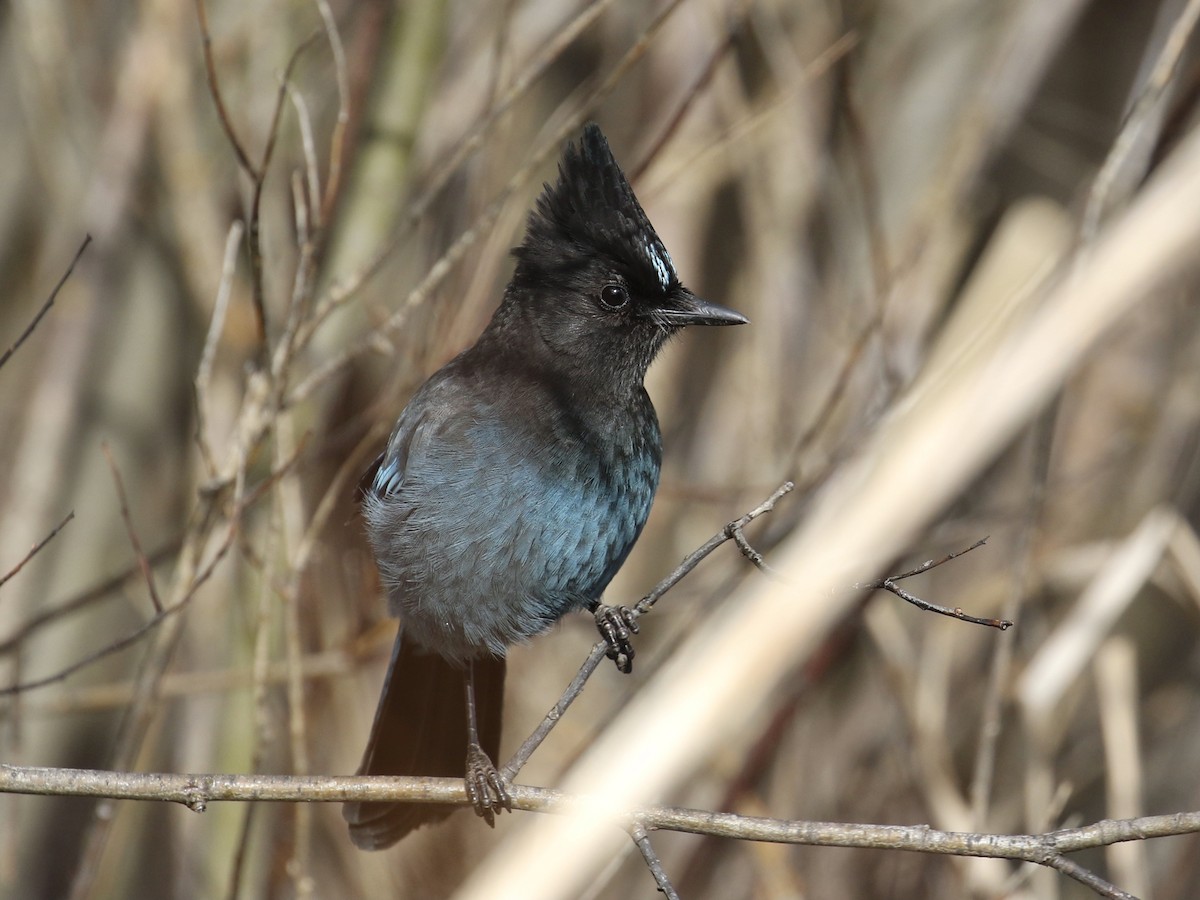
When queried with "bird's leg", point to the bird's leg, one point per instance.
{"points": [[616, 624], [485, 788]]}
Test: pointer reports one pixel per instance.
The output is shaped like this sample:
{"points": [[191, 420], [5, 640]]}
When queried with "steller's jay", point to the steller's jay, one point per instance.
{"points": [[516, 481]]}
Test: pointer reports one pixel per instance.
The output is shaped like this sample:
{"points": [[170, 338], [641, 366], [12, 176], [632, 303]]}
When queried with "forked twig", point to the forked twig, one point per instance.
{"points": [[601, 648], [888, 583], [693, 559]]}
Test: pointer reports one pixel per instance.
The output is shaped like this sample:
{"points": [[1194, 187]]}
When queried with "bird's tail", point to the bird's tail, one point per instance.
{"points": [[421, 729]]}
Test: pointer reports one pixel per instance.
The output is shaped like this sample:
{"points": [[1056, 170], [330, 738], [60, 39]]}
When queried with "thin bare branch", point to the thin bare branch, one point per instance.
{"points": [[309, 204], [641, 839], [211, 340], [51, 614], [889, 584], [573, 689], [214, 89], [737, 22], [134, 636], [932, 563], [104, 652], [837, 391], [1121, 168], [201, 576], [142, 560], [34, 551], [45, 308], [693, 559], [323, 206], [735, 532], [600, 649], [952, 612], [260, 180], [1072, 869], [1040, 443]]}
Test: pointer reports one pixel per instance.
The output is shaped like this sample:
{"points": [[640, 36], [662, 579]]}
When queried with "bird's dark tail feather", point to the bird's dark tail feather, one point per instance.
{"points": [[421, 729]]}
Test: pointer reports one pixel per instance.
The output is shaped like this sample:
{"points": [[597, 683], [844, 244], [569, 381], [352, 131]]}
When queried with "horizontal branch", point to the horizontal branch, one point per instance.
{"points": [[197, 791]]}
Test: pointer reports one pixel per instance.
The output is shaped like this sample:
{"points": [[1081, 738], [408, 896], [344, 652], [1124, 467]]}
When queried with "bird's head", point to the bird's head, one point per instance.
{"points": [[592, 272]]}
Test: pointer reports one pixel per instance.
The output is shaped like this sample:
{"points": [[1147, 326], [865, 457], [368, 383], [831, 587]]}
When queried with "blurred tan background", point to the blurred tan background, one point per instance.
{"points": [[858, 178]]}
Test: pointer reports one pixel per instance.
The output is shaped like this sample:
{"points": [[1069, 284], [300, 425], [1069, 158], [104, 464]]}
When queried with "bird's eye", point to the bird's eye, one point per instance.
{"points": [[613, 297]]}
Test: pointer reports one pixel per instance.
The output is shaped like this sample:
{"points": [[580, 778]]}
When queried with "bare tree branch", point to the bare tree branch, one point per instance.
{"points": [[45, 307], [142, 560], [641, 839], [214, 89], [34, 551], [601, 648], [197, 791], [169, 610], [889, 584], [53, 613]]}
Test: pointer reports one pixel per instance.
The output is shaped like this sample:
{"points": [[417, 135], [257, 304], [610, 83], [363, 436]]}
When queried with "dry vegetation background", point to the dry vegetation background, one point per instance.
{"points": [[863, 179]]}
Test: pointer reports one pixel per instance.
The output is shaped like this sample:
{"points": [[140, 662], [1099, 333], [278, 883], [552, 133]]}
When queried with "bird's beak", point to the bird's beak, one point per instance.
{"points": [[685, 308]]}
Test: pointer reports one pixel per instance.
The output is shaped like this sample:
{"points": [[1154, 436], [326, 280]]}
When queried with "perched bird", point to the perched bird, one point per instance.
{"points": [[517, 480]]}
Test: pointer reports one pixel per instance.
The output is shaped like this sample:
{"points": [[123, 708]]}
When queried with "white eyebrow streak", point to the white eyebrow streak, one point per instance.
{"points": [[661, 260]]}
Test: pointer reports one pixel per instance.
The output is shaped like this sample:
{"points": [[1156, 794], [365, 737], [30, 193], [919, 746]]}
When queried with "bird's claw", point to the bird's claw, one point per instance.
{"points": [[616, 624], [486, 788]]}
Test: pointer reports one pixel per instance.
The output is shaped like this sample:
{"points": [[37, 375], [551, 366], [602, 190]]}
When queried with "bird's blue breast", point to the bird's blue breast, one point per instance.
{"points": [[490, 521]]}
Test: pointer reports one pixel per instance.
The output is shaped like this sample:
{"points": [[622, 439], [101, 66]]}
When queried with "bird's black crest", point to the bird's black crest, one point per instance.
{"points": [[593, 209]]}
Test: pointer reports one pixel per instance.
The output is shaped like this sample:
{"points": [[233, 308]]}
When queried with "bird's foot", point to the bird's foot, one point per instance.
{"points": [[486, 788], [616, 624]]}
